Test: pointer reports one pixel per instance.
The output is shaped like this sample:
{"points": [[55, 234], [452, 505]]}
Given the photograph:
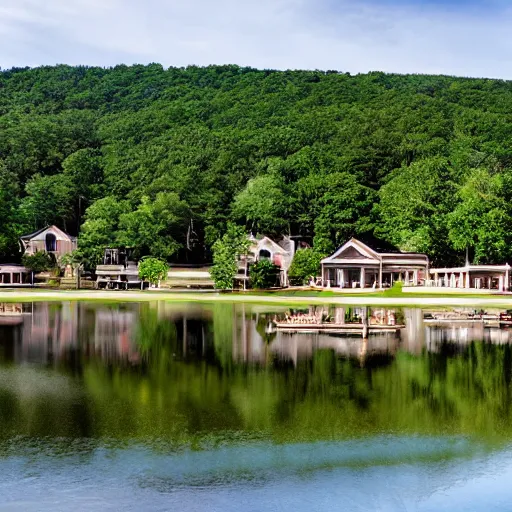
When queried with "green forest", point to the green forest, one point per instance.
{"points": [[163, 160]]}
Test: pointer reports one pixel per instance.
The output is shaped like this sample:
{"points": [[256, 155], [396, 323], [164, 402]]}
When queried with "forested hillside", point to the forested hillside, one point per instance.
{"points": [[162, 159]]}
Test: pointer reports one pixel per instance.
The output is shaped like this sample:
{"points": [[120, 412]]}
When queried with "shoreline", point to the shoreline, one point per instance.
{"points": [[21, 295]]}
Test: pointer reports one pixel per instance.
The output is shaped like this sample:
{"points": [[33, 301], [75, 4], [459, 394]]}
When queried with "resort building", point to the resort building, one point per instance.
{"points": [[356, 265], [280, 253], [480, 277], [50, 239]]}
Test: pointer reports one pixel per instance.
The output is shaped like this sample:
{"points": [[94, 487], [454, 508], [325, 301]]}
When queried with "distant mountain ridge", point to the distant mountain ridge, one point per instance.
{"points": [[136, 155]]}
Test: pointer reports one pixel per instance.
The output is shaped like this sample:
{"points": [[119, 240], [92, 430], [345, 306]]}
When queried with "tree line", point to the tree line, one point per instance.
{"points": [[163, 160]]}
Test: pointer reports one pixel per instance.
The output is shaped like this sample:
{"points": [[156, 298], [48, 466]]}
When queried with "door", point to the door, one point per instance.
{"points": [[340, 277], [51, 242]]}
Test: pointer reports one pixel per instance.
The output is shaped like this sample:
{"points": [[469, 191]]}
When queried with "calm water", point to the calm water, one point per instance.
{"points": [[207, 407]]}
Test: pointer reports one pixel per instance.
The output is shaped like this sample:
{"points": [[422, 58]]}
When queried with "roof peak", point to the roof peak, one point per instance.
{"points": [[51, 226]]}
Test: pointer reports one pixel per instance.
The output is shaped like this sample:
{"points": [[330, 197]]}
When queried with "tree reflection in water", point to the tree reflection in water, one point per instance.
{"points": [[188, 373]]}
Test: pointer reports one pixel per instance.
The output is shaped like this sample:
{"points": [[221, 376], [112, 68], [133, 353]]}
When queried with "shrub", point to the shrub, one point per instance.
{"points": [[73, 258], [305, 264], [153, 270], [38, 262], [226, 252], [264, 274]]}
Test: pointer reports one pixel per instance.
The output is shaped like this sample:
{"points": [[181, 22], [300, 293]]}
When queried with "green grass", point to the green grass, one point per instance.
{"points": [[395, 292], [394, 297]]}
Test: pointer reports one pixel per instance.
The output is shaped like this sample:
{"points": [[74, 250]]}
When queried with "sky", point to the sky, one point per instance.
{"points": [[455, 37]]}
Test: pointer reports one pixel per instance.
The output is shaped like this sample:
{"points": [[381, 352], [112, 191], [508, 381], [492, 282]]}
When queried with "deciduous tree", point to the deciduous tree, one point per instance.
{"points": [[226, 253]]}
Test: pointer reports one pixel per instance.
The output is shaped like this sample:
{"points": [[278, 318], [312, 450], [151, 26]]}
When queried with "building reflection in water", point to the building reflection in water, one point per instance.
{"points": [[462, 335], [49, 333], [45, 333]]}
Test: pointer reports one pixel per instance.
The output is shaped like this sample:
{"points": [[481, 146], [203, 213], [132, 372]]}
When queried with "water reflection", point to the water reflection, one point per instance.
{"points": [[47, 333], [147, 406], [171, 371]]}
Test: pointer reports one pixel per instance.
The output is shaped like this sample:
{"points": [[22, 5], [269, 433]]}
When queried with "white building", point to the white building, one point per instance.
{"points": [[480, 277]]}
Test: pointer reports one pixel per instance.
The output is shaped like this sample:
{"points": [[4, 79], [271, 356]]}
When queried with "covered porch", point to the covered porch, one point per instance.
{"points": [[15, 275], [367, 276], [479, 277], [350, 276]]}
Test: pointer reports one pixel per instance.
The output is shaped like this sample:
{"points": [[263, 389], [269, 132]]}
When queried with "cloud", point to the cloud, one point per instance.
{"points": [[389, 35]]}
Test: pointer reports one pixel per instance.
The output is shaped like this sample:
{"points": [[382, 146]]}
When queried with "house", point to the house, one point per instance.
{"points": [[50, 239], [357, 265], [280, 253], [491, 277]]}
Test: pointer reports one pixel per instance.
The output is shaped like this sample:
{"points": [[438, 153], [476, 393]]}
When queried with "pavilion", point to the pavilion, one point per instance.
{"points": [[14, 274], [356, 265], [491, 277]]}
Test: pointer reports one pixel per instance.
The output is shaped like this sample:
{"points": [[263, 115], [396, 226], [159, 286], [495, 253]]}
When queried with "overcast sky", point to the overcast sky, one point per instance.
{"points": [[458, 37]]}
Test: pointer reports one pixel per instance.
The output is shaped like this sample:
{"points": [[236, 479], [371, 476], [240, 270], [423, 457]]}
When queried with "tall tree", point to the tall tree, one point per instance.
{"points": [[12, 223], [263, 205], [100, 229], [482, 217], [413, 207], [343, 210], [226, 254], [48, 200], [153, 228]]}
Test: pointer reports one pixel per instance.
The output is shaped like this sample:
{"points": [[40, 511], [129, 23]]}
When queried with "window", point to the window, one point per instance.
{"points": [[264, 254], [51, 242]]}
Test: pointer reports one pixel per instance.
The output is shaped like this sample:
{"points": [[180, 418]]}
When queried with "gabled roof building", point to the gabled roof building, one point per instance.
{"points": [[50, 239], [356, 265], [280, 253]]}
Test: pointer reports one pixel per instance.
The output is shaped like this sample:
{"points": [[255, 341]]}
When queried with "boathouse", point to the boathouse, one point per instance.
{"points": [[480, 277], [51, 240], [357, 265]]}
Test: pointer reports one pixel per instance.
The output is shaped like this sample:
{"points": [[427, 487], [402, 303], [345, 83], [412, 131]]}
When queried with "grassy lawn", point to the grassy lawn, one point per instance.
{"points": [[391, 297], [395, 292]]}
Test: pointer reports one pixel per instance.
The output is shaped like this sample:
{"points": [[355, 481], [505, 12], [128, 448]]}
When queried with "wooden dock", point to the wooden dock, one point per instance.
{"points": [[358, 329], [488, 322]]}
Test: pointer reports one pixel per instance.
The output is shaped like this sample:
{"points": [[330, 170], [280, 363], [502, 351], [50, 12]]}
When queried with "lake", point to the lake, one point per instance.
{"points": [[209, 407]]}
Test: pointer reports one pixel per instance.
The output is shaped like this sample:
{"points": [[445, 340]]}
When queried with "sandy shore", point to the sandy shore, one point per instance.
{"points": [[19, 295]]}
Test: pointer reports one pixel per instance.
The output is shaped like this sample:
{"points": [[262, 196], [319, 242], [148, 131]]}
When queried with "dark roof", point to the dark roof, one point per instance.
{"points": [[378, 245], [35, 233]]}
